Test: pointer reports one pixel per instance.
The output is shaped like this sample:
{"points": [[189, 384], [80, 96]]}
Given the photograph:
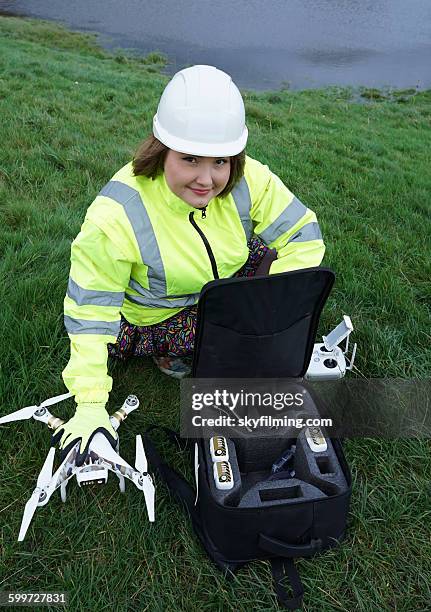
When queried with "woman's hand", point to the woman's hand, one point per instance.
{"points": [[86, 422]]}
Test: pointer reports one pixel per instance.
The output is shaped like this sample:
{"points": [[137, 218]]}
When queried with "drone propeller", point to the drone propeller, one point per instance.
{"points": [[19, 415], [42, 482], [149, 494], [54, 400], [29, 411], [141, 463], [145, 480]]}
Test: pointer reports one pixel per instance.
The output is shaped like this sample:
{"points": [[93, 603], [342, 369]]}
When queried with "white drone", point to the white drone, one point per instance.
{"points": [[101, 458]]}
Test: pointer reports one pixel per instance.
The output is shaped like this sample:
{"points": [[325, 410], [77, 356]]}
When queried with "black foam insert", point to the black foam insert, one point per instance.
{"points": [[259, 453], [275, 492], [320, 469], [316, 475]]}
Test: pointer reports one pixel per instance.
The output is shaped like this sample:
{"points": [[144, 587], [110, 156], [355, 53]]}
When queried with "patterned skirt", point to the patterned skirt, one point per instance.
{"points": [[175, 336]]}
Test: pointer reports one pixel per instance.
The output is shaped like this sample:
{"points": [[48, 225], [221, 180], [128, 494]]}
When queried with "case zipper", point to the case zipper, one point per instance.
{"points": [[206, 243]]}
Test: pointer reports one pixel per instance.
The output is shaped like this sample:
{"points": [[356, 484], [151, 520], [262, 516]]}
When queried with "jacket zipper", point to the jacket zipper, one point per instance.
{"points": [[205, 241]]}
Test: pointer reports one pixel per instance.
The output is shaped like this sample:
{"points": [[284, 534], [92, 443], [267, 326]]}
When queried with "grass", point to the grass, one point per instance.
{"points": [[71, 115]]}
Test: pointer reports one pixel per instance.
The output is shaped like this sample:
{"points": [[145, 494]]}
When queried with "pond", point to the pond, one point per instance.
{"points": [[265, 44]]}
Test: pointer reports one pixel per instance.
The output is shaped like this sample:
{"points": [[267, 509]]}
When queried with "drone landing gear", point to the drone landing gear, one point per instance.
{"points": [[63, 491], [122, 483]]}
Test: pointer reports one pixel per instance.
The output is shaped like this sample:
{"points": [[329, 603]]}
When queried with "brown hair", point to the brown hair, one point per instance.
{"points": [[149, 160]]}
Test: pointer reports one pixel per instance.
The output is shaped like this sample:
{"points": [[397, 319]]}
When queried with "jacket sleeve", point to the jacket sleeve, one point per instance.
{"points": [[284, 224], [99, 274]]}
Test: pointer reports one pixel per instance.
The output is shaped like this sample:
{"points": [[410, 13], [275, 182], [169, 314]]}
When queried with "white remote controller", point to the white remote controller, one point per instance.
{"points": [[329, 361]]}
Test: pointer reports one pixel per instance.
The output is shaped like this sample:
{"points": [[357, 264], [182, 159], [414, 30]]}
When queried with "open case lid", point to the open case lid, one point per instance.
{"points": [[259, 327]]}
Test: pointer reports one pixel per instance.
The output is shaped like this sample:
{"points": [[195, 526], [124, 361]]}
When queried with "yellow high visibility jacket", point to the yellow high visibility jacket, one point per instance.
{"points": [[145, 253]]}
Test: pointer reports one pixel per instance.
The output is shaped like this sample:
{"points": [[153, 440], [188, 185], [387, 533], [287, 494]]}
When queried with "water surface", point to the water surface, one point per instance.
{"points": [[265, 44]]}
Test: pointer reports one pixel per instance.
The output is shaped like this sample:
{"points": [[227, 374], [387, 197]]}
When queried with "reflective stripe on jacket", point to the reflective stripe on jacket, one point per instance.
{"points": [[141, 252]]}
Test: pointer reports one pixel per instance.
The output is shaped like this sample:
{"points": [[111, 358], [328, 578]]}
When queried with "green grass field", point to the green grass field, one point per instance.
{"points": [[71, 115]]}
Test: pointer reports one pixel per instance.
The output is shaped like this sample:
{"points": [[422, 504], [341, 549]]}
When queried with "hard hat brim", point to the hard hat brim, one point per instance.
{"points": [[224, 149]]}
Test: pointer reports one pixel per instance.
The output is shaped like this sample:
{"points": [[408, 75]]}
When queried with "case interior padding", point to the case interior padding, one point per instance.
{"points": [[320, 469], [317, 474], [273, 492], [258, 452]]}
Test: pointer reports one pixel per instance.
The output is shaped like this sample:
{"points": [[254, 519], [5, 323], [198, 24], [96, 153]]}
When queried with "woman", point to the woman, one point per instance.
{"points": [[191, 207]]}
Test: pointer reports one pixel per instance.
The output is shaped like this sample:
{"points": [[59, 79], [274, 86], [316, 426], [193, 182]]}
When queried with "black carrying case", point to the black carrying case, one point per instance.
{"points": [[263, 327]]}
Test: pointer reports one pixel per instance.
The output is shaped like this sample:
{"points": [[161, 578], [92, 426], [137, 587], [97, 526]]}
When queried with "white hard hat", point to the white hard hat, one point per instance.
{"points": [[201, 112]]}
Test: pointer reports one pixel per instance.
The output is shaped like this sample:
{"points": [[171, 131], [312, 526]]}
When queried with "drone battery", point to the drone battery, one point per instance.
{"points": [[92, 475], [223, 476], [316, 440], [218, 448]]}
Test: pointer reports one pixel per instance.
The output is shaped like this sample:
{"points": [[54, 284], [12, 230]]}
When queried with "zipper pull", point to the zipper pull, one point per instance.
{"points": [[204, 212]]}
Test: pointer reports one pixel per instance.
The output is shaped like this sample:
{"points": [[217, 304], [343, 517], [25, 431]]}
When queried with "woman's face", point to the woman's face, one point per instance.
{"points": [[196, 180]]}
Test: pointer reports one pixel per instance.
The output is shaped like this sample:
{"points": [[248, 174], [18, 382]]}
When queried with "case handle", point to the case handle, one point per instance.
{"points": [[282, 549]]}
